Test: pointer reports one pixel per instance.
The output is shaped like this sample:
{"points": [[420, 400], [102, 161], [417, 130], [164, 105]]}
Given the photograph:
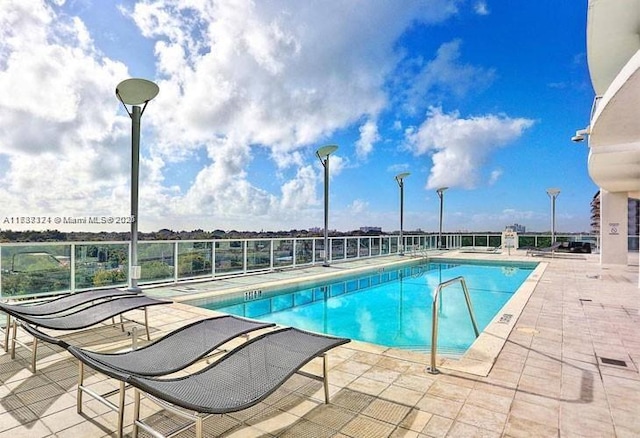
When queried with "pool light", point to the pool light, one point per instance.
{"points": [[440, 193], [135, 92], [400, 180], [323, 155]]}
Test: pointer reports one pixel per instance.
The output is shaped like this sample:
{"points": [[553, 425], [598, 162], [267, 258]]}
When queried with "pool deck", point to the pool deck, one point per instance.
{"points": [[566, 367]]}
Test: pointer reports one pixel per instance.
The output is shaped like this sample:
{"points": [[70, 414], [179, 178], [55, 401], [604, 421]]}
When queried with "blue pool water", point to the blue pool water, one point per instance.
{"points": [[390, 307]]}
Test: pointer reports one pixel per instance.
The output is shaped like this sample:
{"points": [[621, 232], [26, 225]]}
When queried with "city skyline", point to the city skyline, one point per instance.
{"points": [[478, 96]]}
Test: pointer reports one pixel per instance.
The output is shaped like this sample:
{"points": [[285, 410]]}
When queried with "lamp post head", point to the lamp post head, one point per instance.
{"points": [[401, 176], [325, 151], [553, 192], [136, 91], [441, 190]]}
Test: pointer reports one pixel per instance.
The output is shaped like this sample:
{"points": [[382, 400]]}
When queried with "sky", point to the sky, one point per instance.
{"points": [[480, 96]]}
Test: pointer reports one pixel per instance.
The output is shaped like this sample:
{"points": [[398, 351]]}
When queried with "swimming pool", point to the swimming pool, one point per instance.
{"points": [[389, 307]]}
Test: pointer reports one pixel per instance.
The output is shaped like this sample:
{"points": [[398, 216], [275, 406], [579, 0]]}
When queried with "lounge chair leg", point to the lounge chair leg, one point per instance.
{"points": [[33, 355], [122, 323], [325, 380], [80, 383], [121, 410], [146, 323], [136, 412], [7, 327], [13, 339], [199, 426]]}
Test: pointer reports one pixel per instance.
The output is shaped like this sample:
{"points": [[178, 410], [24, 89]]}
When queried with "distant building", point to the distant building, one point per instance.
{"points": [[516, 228], [371, 229]]}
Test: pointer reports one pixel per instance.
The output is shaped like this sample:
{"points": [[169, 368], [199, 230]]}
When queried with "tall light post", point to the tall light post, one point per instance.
{"points": [[440, 193], [323, 155], [400, 180], [135, 92], [553, 194]]}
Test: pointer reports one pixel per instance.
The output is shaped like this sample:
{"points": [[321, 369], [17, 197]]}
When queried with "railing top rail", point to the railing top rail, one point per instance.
{"points": [[447, 283]]}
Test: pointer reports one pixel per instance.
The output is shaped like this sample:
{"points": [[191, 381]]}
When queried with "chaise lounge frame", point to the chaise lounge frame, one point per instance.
{"points": [[81, 318], [55, 305], [177, 349], [270, 359]]}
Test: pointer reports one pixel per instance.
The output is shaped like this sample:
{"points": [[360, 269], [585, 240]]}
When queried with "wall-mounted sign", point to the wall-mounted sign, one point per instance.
{"points": [[614, 228]]}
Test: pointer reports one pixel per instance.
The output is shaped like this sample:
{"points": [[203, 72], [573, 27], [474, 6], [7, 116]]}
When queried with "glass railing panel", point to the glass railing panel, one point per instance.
{"points": [[320, 253], [229, 256], [194, 259], [282, 252], [526, 241], [35, 269], [376, 246], [495, 241], [337, 249], [156, 261], [385, 246], [393, 244], [352, 247], [101, 264], [481, 240], [365, 246], [304, 251], [258, 254]]}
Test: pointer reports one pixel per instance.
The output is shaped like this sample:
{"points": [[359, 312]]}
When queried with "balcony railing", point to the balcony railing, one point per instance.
{"points": [[29, 269]]}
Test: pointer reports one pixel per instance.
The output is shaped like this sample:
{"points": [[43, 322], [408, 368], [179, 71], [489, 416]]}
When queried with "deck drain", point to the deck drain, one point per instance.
{"points": [[585, 300], [616, 362]]}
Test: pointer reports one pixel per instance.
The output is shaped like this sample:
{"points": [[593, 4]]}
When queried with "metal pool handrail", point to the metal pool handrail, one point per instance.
{"points": [[434, 318]]}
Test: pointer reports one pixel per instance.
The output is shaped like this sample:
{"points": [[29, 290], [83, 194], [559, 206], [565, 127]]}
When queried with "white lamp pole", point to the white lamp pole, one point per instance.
{"points": [[440, 193], [135, 92], [553, 194], [323, 155], [400, 180]]}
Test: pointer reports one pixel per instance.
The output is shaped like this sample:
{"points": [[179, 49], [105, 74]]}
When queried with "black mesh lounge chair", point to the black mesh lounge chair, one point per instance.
{"points": [[544, 251], [82, 318], [240, 379], [56, 305], [173, 352]]}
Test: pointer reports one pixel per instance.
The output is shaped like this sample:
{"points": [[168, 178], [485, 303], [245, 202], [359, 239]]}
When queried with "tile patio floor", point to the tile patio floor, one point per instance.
{"points": [[549, 379]]}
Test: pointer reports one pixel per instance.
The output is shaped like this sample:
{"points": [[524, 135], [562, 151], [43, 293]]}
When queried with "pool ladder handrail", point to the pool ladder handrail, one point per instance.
{"points": [[434, 318]]}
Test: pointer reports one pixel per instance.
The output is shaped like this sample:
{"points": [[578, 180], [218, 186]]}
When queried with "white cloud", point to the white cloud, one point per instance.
{"points": [[300, 192], [61, 133], [481, 8], [459, 147], [254, 73], [368, 137], [233, 76], [443, 77], [495, 176], [358, 206]]}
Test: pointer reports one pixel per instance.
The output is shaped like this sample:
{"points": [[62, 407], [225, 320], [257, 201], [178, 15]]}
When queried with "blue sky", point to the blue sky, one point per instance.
{"points": [[481, 96]]}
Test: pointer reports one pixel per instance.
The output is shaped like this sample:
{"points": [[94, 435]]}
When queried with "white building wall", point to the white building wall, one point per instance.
{"points": [[614, 228]]}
